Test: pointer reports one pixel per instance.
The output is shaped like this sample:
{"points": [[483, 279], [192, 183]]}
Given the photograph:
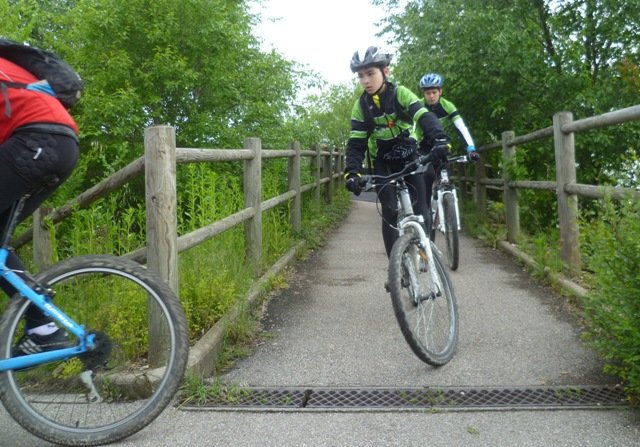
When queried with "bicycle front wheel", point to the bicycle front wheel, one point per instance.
{"points": [[426, 310], [451, 231], [124, 383]]}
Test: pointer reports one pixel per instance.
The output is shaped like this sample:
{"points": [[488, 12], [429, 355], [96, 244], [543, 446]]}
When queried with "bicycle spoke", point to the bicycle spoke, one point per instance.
{"points": [[126, 381]]}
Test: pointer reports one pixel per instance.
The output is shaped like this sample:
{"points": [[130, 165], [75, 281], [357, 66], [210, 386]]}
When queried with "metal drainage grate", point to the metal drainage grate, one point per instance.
{"points": [[418, 398]]}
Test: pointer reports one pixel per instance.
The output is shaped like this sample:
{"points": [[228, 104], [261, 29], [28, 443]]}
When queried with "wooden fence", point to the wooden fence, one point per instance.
{"points": [[158, 165], [567, 190]]}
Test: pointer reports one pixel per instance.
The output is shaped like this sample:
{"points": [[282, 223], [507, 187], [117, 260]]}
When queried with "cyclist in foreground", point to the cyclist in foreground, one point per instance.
{"points": [[382, 122], [38, 151]]}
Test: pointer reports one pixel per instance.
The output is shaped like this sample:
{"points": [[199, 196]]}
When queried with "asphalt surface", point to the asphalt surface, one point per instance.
{"points": [[334, 328]]}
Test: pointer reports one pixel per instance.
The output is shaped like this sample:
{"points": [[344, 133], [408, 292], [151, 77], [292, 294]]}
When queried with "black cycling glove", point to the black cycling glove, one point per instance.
{"points": [[352, 183]]}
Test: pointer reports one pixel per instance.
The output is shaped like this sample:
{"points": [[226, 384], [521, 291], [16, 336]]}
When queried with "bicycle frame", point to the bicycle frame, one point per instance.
{"points": [[408, 221], [43, 302]]}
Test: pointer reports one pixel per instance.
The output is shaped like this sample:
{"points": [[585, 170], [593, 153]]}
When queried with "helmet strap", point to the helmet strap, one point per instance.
{"points": [[384, 81]]}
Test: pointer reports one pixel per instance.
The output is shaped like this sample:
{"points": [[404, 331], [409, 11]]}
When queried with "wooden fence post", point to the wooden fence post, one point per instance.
{"points": [[510, 194], [294, 184], [42, 250], [317, 172], [253, 199], [327, 172], [339, 168], [481, 188], [459, 173], [162, 223], [161, 203], [564, 146]]}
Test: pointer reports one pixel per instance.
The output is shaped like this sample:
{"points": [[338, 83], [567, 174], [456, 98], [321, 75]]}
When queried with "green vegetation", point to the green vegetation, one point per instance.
{"points": [[195, 65], [610, 245], [511, 65], [613, 304]]}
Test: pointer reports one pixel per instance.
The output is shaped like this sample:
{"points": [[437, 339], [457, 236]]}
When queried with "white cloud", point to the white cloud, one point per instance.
{"points": [[320, 34]]}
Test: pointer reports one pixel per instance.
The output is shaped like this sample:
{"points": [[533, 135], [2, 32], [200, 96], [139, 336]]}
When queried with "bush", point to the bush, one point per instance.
{"points": [[612, 309]]}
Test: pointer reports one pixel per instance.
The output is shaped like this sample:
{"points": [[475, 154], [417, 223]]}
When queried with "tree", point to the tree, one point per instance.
{"points": [[192, 64], [511, 64]]}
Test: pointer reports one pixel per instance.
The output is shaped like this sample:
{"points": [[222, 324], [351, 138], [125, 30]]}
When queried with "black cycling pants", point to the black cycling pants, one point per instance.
{"points": [[389, 202], [35, 163]]}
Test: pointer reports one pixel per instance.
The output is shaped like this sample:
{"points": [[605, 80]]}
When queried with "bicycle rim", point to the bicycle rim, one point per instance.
{"points": [[451, 231], [426, 312], [135, 371]]}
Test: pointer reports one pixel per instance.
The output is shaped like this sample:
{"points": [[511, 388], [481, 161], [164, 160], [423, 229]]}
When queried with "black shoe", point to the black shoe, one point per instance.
{"points": [[34, 343]]}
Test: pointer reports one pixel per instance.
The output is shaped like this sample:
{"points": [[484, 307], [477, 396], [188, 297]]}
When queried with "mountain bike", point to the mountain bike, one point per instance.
{"points": [[445, 214], [421, 292], [112, 377]]}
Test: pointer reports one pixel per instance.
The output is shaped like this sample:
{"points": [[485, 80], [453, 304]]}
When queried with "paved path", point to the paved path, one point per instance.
{"points": [[334, 328]]}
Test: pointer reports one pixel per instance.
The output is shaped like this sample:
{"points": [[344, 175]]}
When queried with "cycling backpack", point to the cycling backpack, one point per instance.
{"points": [[63, 80]]}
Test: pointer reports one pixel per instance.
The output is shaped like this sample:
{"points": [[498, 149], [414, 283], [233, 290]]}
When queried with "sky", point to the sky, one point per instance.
{"points": [[322, 35]]}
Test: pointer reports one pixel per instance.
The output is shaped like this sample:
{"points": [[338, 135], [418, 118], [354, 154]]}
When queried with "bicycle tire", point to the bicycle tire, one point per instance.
{"points": [[135, 385], [451, 231], [430, 324]]}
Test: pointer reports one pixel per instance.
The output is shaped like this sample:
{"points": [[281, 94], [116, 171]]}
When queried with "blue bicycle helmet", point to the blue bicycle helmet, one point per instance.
{"points": [[431, 80], [372, 56]]}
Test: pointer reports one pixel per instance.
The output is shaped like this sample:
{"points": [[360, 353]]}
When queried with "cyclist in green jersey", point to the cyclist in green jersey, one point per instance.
{"points": [[431, 86], [382, 123]]}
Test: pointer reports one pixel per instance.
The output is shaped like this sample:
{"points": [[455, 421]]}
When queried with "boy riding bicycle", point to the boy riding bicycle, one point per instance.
{"points": [[382, 122]]}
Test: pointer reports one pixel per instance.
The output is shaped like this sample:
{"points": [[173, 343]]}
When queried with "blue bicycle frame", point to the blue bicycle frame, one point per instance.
{"points": [[49, 309]]}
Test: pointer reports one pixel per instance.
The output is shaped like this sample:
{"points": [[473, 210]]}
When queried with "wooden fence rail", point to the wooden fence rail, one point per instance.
{"points": [[159, 165], [567, 190]]}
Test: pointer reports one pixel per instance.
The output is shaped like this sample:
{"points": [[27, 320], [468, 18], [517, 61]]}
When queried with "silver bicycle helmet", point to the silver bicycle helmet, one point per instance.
{"points": [[372, 56], [431, 80]]}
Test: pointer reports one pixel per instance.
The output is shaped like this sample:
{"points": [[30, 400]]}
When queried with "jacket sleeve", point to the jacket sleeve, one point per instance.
{"points": [[358, 138], [454, 116], [431, 128]]}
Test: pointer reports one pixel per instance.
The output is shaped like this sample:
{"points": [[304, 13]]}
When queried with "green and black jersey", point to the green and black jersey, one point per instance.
{"points": [[376, 125], [446, 110]]}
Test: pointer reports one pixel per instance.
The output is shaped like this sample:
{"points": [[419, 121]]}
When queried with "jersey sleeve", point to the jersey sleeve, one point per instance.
{"points": [[358, 136], [456, 119]]}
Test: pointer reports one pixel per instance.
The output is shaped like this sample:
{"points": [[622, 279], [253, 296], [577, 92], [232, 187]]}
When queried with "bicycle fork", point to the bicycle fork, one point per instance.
{"points": [[423, 255], [441, 216]]}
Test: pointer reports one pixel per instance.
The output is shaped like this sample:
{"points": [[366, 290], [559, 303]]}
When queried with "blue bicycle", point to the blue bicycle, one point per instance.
{"points": [[106, 380]]}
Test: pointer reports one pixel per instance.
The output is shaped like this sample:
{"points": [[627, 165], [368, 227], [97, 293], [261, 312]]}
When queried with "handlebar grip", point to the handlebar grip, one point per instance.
{"points": [[441, 146]]}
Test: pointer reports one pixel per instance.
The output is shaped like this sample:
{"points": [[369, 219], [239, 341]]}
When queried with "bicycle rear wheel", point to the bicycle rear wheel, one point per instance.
{"points": [[451, 231], [134, 372], [426, 312]]}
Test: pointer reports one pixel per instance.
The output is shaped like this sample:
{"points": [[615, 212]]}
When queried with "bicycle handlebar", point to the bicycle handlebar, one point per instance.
{"points": [[458, 159], [417, 166]]}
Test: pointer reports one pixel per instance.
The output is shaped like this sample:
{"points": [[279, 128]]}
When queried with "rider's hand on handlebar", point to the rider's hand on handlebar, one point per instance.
{"points": [[440, 151], [472, 155], [352, 183]]}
